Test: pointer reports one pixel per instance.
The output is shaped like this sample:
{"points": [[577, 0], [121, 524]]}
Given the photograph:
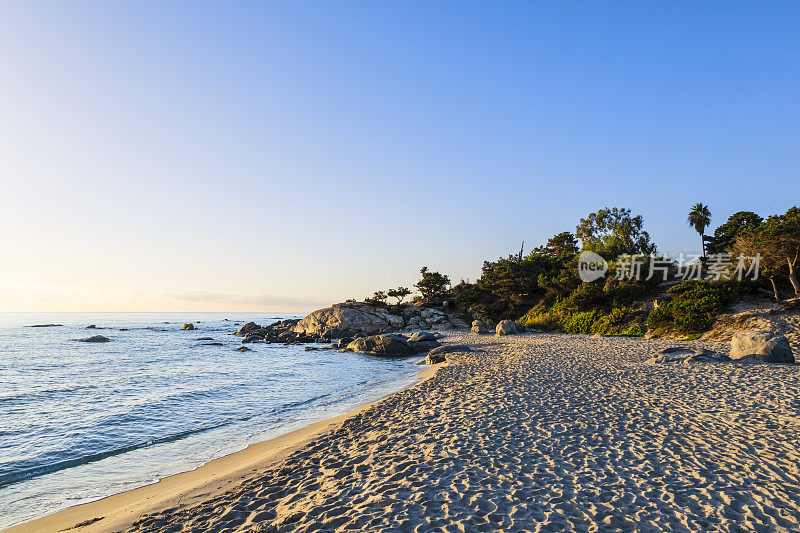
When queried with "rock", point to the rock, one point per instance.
{"points": [[478, 328], [450, 349], [93, 326], [458, 323], [247, 328], [46, 326], [506, 327], [212, 344], [253, 338], [761, 345], [435, 359], [684, 354], [205, 339], [349, 318], [422, 336], [423, 346], [96, 338], [383, 345], [243, 349], [442, 326], [188, 327]]}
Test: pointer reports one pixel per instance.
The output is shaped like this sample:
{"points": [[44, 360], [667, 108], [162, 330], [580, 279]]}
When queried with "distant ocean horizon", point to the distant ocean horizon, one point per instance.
{"points": [[80, 421]]}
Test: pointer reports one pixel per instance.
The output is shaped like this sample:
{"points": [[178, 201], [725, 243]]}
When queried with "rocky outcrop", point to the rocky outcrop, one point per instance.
{"points": [[348, 319], [188, 327], [761, 345], [506, 327], [96, 338], [387, 345]]}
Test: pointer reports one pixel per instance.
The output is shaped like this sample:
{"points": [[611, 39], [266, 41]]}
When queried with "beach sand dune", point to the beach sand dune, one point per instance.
{"points": [[540, 432]]}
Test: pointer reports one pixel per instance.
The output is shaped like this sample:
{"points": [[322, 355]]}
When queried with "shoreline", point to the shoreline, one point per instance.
{"points": [[118, 511]]}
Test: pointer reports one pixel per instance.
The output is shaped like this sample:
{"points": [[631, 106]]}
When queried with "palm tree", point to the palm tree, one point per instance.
{"points": [[699, 218]]}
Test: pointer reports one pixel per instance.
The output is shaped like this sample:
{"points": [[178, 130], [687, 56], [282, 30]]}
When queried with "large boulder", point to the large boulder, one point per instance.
{"points": [[506, 327], [383, 345], [188, 327], [347, 319], [761, 345]]}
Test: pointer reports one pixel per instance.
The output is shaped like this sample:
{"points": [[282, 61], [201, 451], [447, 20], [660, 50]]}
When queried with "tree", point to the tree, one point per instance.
{"points": [[400, 293], [614, 232], [559, 245], [432, 284], [377, 298], [777, 240], [739, 222], [699, 218]]}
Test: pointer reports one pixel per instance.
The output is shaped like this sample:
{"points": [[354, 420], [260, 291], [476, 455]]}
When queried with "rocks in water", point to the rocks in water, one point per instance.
{"points": [[243, 349], [205, 339], [478, 328], [685, 354], [93, 326], [761, 345], [212, 344], [450, 349], [96, 338], [252, 338], [188, 327], [247, 328], [506, 327], [386, 345], [46, 326]]}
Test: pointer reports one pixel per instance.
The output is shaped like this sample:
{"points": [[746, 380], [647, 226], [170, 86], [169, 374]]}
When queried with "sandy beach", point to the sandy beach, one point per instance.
{"points": [[539, 432]]}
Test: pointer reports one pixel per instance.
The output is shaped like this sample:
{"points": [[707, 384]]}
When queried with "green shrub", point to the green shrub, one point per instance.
{"points": [[693, 305]]}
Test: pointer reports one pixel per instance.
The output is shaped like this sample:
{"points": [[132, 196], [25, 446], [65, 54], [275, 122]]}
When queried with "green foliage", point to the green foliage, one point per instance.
{"points": [[614, 232], [400, 293], [589, 308], [432, 284], [513, 281], [693, 306], [737, 224], [563, 244], [377, 299]]}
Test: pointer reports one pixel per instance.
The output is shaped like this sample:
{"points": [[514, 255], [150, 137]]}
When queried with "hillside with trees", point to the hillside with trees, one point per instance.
{"points": [[642, 292]]}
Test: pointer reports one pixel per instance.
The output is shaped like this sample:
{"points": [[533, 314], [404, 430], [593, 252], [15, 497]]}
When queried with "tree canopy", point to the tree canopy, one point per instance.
{"points": [[739, 222], [612, 232]]}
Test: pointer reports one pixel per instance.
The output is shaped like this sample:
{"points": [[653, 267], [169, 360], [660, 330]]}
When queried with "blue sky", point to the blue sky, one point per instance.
{"points": [[240, 156]]}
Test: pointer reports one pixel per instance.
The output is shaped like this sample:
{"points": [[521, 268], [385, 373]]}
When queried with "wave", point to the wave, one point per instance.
{"points": [[24, 472]]}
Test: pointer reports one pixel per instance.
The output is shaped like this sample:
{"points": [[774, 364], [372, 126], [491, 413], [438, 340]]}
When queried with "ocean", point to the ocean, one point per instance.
{"points": [[80, 421]]}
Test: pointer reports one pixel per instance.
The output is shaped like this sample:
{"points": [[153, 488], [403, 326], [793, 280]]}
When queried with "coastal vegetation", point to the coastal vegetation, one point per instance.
{"points": [[649, 294]]}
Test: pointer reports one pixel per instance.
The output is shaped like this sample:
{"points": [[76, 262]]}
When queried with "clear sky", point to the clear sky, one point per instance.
{"points": [[168, 156]]}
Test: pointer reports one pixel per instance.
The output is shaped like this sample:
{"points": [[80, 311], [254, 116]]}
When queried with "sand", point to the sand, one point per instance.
{"points": [[528, 432]]}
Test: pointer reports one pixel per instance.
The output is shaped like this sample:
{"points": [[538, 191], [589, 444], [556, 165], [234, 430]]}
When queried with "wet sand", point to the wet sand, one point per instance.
{"points": [[528, 432]]}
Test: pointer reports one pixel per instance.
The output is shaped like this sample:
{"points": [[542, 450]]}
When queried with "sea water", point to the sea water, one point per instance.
{"points": [[80, 421]]}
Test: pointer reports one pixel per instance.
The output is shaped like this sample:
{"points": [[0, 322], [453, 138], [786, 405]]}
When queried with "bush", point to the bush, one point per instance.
{"points": [[694, 305]]}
